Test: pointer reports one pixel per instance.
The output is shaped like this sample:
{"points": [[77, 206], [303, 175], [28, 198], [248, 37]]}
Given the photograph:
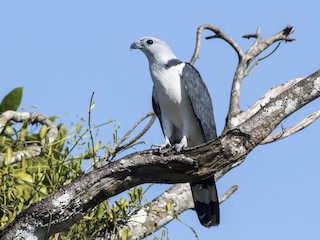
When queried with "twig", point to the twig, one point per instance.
{"points": [[261, 45], [188, 226], [228, 193], [117, 148], [33, 118], [292, 130], [91, 106], [82, 135], [218, 34], [260, 59]]}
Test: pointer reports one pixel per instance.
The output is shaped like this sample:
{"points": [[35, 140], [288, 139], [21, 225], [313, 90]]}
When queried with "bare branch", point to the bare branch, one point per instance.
{"points": [[156, 214], [228, 194], [34, 149], [255, 64], [292, 130], [164, 209], [255, 35], [244, 60], [91, 106], [117, 148], [261, 45], [266, 98], [218, 34], [241, 72]]}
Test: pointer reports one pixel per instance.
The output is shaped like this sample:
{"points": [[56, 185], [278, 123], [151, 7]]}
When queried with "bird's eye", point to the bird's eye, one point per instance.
{"points": [[149, 42]]}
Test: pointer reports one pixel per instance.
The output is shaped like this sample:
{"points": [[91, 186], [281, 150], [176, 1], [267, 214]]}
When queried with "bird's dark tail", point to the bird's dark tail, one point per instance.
{"points": [[206, 201]]}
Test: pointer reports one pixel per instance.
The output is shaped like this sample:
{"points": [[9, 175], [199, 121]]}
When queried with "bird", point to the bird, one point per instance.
{"points": [[183, 105]]}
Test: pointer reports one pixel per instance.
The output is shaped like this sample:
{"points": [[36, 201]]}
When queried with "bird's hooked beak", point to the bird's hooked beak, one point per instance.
{"points": [[135, 45]]}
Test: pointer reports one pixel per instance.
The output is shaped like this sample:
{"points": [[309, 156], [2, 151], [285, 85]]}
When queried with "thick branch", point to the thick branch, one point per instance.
{"points": [[271, 94], [72, 202]]}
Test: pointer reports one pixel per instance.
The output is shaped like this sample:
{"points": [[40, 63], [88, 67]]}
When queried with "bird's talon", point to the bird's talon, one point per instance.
{"points": [[178, 147], [161, 146]]}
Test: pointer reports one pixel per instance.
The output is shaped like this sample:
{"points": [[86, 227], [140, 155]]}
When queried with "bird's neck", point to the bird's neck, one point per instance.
{"points": [[161, 62], [161, 58]]}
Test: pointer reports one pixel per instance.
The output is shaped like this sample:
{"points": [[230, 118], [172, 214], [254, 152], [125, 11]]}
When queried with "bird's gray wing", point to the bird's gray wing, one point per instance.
{"points": [[200, 100], [204, 192], [156, 106]]}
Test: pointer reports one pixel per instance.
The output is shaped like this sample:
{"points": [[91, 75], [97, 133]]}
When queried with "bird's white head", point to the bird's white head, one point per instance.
{"points": [[155, 49]]}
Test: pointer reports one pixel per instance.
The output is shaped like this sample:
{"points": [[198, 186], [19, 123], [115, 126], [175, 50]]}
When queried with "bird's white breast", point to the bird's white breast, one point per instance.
{"points": [[167, 84], [174, 103]]}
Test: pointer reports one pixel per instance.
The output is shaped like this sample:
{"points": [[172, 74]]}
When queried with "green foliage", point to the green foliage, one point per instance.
{"points": [[12, 100], [31, 180]]}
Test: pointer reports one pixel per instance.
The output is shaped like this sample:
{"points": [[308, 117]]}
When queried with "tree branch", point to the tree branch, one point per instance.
{"points": [[261, 45], [34, 149], [245, 60], [218, 34], [257, 47], [157, 214], [118, 147], [292, 130], [258, 105], [62, 209]]}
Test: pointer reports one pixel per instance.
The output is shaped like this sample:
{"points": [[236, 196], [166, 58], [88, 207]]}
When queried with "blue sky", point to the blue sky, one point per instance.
{"points": [[62, 51]]}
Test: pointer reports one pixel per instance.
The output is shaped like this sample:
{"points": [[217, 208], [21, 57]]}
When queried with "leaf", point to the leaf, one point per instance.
{"points": [[92, 106], [24, 131], [43, 131], [100, 211], [53, 118], [125, 234], [12, 100], [9, 155], [163, 234], [23, 176], [168, 207], [23, 134], [78, 128], [96, 148], [44, 190], [22, 192], [8, 130]]}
